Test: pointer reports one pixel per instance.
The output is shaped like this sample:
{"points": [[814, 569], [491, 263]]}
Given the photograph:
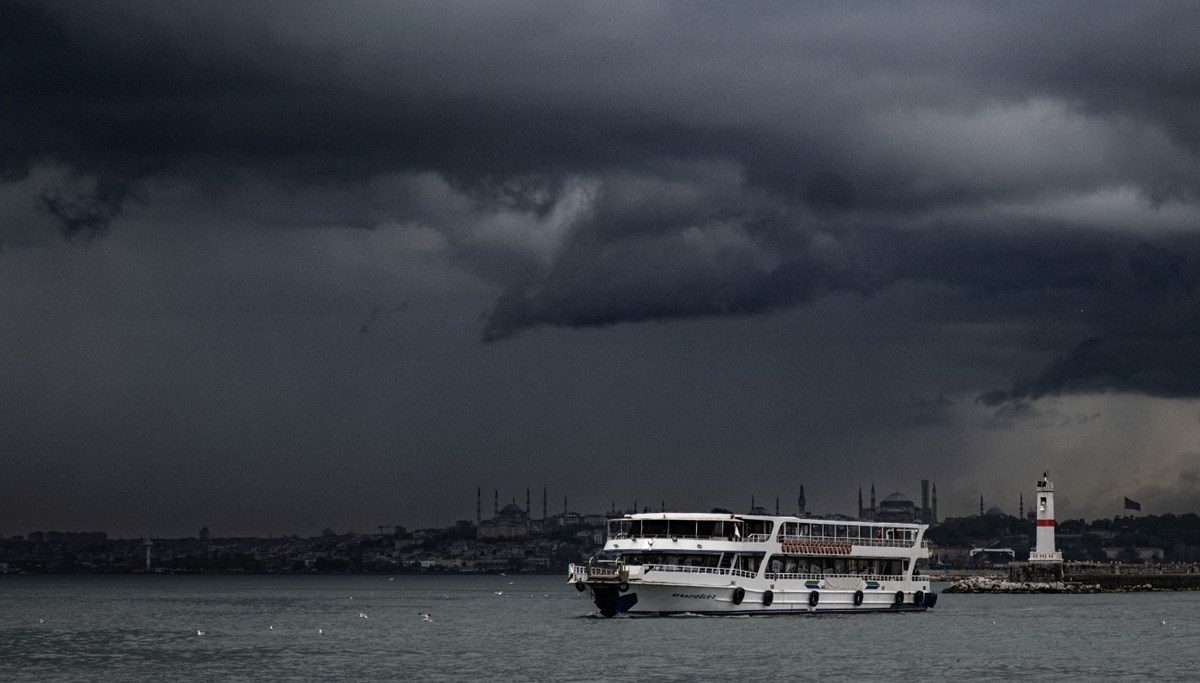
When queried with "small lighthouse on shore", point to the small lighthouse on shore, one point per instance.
{"points": [[1044, 502]]}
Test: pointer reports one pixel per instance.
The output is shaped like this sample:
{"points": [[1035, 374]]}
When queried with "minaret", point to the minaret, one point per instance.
{"points": [[1045, 550], [1021, 507], [981, 505], [935, 517], [776, 506], [478, 505], [496, 503], [872, 499], [528, 505], [564, 505], [860, 507], [803, 502], [544, 500]]}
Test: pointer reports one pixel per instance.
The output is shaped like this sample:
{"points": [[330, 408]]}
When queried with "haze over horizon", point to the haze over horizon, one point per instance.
{"points": [[279, 266]]}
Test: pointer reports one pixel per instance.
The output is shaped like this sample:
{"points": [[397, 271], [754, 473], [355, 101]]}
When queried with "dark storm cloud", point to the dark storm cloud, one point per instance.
{"points": [[741, 160]]}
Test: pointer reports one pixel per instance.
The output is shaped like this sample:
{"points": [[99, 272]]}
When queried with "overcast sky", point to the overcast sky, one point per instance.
{"points": [[274, 267]]}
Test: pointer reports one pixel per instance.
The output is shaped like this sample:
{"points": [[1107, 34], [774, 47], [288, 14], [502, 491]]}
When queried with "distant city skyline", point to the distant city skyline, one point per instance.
{"points": [[488, 512]]}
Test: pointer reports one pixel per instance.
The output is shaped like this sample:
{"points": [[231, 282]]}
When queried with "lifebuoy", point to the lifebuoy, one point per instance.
{"points": [[813, 598], [768, 598], [622, 586], [739, 594], [899, 597], [919, 598], [858, 598], [579, 586]]}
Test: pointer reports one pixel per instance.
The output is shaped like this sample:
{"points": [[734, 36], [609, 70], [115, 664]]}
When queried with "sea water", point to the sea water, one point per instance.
{"points": [[538, 628]]}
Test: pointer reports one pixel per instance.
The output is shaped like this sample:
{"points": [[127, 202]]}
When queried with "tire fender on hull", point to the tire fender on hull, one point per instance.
{"points": [[739, 594]]}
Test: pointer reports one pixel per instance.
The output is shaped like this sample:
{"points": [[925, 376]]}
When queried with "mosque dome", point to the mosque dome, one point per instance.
{"points": [[994, 511], [897, 500], [512, 510]]}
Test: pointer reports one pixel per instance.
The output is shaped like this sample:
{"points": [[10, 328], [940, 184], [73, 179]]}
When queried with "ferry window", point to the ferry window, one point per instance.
{"points": [[655, 527], [804, 530]]}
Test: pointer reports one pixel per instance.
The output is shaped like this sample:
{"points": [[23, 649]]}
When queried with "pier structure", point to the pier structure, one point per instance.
{"points": [[1045, 550]]}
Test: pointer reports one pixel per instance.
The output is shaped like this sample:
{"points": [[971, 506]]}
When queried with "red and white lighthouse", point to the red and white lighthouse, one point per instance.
{"points": [[1044, 500]]}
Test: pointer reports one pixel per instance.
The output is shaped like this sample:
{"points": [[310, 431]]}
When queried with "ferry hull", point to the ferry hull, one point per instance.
{"points": [[667, 599]]}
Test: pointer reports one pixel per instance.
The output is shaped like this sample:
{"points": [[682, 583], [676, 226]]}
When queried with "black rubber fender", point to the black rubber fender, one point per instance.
{"points": [[739, 594], [768, 598], [623, 586], [858, 598], [813, 598], [580, 586], [919, 598], [899, 598]]}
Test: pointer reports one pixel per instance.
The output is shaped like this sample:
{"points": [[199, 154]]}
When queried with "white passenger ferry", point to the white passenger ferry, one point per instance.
{"points": [[718, 563]]}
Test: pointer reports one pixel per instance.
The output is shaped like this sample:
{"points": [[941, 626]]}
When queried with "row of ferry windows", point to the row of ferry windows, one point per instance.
{"points": [[733, 529], [778, 564], [833, 565], [847, 531], [688, 528]]}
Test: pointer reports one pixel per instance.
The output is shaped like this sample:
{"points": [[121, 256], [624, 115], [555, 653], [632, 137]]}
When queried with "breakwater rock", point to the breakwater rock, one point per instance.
{"points": [[986, 584]]}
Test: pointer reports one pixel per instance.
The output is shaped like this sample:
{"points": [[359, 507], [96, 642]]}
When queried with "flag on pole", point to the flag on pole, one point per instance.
{"points": [[1133, 505]]}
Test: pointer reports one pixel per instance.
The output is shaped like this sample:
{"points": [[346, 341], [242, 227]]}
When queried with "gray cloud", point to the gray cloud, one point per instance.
{"points": [[1016, 186]]}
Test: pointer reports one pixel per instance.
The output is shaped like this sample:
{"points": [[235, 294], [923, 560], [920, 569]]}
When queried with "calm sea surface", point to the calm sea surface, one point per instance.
{"points": [[144, 628]]}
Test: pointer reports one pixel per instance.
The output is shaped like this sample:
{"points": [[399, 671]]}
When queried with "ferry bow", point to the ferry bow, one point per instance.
{"points": [[719, 563]]}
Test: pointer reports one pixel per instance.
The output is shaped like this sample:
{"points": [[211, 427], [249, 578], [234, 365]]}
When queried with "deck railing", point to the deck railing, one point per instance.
{"points": [[876, 542], [816, 576], [687, 569]]}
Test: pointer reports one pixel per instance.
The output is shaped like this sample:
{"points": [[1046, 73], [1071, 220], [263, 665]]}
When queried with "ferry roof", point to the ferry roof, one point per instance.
{"points": [[713, 516], [718, 516]]}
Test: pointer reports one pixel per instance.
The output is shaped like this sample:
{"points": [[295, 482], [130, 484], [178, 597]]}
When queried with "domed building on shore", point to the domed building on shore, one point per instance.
{"points": [[898, 507], [510, 522]]}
